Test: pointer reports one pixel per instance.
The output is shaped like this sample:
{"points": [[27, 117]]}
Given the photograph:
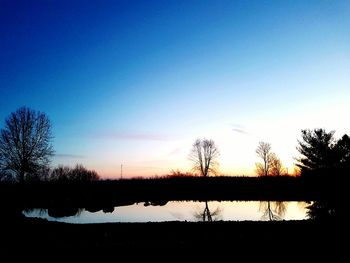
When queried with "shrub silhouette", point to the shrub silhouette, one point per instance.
{"points": [[78, 173]]}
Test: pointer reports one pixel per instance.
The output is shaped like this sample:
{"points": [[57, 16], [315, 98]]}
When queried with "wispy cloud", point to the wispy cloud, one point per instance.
{"points": [[240, 129], [67, 155], [135, 136]]}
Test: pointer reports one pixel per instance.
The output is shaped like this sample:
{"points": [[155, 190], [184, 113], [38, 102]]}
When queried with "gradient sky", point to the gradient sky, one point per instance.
{"points": [[136, 82]]}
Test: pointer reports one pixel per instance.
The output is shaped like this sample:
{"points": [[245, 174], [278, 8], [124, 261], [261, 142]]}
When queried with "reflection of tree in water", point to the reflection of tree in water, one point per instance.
{"points": [[327, 210], [207, 215], [55, 212], [302, 205], [273, 210], [64, 212]]}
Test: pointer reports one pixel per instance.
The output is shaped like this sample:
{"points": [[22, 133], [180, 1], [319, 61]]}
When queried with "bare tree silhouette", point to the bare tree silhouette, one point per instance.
{"points": [[277, 168], [281, 208], [204, 156], [207, 215], [272, 210], [271, 164], [25, 143], [264, 152], [78, 173]]}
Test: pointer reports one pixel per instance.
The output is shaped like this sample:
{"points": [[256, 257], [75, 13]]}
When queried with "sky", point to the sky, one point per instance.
{"points": [[135, 83]]}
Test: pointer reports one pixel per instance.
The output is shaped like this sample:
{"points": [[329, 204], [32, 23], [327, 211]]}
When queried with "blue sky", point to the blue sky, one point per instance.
{"points": [[136, 82]]}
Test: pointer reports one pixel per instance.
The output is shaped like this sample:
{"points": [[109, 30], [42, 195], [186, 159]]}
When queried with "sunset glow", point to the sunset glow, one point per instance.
{"points": [[135, 83]]}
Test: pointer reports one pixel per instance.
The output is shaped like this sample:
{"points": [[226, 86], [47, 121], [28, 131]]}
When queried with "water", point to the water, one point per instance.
{"points": [[187, 211]]}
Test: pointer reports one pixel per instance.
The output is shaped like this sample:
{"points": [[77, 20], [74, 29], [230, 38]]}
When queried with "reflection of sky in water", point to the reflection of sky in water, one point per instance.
{"points": [[181, 211]]}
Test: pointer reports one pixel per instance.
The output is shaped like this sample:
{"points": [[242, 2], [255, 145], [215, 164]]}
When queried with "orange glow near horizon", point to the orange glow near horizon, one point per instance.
{"points": [[140, 83], [149, 172]]}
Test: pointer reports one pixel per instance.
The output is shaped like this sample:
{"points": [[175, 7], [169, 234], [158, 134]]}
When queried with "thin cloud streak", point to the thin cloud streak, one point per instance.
{"points": [[240, 129]]}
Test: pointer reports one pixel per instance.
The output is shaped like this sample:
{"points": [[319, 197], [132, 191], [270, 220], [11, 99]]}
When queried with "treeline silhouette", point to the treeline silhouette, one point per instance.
{"points": [[65, 173], [61, 173]]}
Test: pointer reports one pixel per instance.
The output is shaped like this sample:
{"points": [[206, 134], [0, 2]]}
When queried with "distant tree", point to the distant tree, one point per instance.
{"points": [[78, 173], [60, 173], [264, 152], [204, 155], [316, 148], [25, 143], [277, 168], [270, 164]]}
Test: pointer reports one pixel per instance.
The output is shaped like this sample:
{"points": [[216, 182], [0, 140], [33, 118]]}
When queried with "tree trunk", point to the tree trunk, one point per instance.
{"points": [[21, 176]]}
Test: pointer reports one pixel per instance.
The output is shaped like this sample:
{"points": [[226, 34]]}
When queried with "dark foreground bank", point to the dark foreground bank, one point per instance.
{"points": [[38, 233]]}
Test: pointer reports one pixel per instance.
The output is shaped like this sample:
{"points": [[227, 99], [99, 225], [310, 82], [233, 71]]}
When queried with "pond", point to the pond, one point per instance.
{"points": [[185, 211]]}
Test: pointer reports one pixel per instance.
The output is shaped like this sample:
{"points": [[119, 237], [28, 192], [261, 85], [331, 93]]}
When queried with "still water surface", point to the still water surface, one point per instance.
{"points": [[187, 211]]}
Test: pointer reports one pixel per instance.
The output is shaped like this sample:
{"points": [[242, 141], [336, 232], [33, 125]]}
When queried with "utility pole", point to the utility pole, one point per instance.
{"points": [[121, 171]]}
